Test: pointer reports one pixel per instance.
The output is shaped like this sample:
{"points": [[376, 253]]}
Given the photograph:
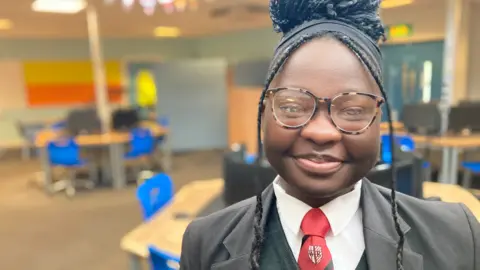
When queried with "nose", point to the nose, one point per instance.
{"points": [[321, 130]]}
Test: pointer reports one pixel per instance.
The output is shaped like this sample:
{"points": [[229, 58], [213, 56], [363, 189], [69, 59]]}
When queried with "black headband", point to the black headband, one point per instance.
{"points": [[368, 46]]}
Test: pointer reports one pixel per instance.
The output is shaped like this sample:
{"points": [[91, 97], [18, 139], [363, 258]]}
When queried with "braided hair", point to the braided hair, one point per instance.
{"points": [[286, 15]]}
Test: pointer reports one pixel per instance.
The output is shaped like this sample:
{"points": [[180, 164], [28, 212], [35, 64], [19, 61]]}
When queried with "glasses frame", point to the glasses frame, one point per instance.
{"points": [[379, 102]]}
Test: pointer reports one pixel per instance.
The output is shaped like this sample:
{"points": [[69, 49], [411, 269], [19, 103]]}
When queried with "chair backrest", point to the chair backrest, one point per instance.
{"points": [[162, 261], [142, 142], [63, 152], [405, 142], [154, 194]]}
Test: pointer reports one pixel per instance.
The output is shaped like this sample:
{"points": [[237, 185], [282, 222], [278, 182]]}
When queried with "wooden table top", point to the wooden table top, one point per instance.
{"points": [[453, 194], [461, 141], [47, 135], [164, 230], [395, 125]]}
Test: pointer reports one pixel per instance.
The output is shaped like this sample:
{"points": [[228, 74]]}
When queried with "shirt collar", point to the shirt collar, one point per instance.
{"points": [[339, 211]]}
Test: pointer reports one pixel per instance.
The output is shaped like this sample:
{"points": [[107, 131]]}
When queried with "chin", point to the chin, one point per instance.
{"points": [[320, 186], [323, 188]]}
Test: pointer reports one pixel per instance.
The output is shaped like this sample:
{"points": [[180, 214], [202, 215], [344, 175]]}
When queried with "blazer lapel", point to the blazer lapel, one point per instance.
{"points": [[239, 242], [380, 234]]}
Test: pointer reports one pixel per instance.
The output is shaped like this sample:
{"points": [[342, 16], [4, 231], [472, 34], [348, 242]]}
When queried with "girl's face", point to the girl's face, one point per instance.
{"points": [[318, 161]]}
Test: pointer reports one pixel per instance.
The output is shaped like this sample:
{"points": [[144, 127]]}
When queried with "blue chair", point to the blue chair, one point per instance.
{"points": [[65, 153], [154, 194], [407, 144], [162, 261], [142, 143]]}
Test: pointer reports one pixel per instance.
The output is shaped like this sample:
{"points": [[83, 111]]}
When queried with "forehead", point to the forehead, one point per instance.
{"points": [[325, 67]]}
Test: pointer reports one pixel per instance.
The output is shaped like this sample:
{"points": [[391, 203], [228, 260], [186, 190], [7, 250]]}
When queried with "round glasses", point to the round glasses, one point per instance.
{"points": [[350, 112]]}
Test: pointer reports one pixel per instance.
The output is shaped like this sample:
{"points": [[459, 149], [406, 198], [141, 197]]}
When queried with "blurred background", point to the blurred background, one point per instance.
{"points": [[99, 97]]}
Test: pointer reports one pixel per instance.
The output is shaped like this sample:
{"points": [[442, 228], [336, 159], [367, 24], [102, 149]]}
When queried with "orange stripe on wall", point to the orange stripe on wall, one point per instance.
{"points": [[68, 94]]}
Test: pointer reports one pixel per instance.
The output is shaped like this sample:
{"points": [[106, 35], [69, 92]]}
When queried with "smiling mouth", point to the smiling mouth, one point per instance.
{"points": [[319, 165]]}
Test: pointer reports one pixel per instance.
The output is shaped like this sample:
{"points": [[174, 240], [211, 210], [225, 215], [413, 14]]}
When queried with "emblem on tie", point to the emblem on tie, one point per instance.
{"points": [[315, 254]]}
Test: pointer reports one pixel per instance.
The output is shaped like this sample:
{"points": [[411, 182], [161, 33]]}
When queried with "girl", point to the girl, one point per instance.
{"points": [[320, 114]]}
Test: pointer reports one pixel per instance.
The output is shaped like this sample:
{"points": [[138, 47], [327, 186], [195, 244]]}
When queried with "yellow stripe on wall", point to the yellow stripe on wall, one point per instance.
{"points": [[68, 72]]}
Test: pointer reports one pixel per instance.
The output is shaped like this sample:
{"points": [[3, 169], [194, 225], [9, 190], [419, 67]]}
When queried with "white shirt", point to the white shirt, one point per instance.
{"points": [[345, 240]]}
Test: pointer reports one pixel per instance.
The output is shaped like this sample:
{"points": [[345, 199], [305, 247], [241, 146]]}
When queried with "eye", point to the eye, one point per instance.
{"points": [[291, 108], [353, 111]]}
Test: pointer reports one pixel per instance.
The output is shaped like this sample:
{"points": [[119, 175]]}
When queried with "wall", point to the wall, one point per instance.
{"points": [[13, 53]]}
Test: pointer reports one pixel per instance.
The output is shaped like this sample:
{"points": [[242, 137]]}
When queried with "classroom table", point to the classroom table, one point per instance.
{"points": [[165, 230], [451, 145], [114, 140]]}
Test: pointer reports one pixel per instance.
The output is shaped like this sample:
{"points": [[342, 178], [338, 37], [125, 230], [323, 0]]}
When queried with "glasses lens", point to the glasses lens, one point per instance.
{"points": [[353, 112], [293, 108]]}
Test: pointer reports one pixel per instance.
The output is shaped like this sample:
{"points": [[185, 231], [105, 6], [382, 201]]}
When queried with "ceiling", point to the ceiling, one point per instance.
{"points": [[114, 21]]}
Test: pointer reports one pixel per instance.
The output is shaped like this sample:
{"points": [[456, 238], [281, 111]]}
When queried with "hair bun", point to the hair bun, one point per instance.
{"points": [[363, 14]]}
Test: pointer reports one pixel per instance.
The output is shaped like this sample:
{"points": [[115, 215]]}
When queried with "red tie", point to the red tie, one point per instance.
{"points": [[314, 254]]}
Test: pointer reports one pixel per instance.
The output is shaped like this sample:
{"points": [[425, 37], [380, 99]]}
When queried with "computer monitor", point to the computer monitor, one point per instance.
{"points": [[244, 180], [125, 119], [409, 172], [83, 121], [422, 119], [464, 117]]}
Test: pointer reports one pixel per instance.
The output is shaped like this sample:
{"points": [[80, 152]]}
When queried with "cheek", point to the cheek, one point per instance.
{"points": [[275, 137], [365, 146]]}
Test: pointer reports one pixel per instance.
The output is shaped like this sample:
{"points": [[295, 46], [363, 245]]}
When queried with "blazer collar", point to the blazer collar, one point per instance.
{"points": [[380, 234], [239, 242]]}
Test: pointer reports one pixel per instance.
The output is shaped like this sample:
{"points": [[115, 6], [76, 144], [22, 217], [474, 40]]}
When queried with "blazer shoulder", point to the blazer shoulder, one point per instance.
{"points": [[215, 227], [442, 223], [222, 218], [432, 211], [204, 236]]}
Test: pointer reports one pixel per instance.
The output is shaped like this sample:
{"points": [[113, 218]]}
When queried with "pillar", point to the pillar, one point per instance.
{"points": [[455, 58], [101, 94]]}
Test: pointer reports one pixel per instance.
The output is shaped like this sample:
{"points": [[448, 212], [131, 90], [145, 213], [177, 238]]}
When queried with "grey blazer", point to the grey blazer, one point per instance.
{"points": [[438, 235]]}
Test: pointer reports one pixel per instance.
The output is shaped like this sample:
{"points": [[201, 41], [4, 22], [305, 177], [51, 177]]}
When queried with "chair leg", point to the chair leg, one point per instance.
{"points": [[70, 189], [467, 179]]}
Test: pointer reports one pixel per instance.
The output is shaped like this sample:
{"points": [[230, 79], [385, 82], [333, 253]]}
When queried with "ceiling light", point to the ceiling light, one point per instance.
{"points": [[59, 6], [5, 24], [395, 3], [163, 31]]}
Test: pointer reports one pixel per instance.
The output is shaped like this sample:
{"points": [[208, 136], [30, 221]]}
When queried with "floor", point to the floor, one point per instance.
{"points": [[38, 232]]}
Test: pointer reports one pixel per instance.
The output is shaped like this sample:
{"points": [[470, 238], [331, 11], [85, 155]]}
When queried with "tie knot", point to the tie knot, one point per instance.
{"points": [[315, 223]]}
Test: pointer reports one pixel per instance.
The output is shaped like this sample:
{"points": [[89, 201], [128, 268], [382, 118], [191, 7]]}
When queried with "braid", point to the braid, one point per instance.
{"points": [[348, 42], [258, 228], [258, 239]]}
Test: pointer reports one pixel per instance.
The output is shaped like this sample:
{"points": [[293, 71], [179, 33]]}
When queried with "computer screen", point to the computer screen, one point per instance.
{"points": [[422, 118], [244, 180], [464, 117], [125, 119], [409, 172], [83, 121]]}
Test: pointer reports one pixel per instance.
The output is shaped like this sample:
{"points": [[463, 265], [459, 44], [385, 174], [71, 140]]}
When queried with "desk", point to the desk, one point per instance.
{"points": [[396, 126], [451, 145], [164, 230], [114, 140]]}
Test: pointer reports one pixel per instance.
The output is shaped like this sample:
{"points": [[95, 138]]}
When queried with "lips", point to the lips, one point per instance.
{"points": [[319, 164]]}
